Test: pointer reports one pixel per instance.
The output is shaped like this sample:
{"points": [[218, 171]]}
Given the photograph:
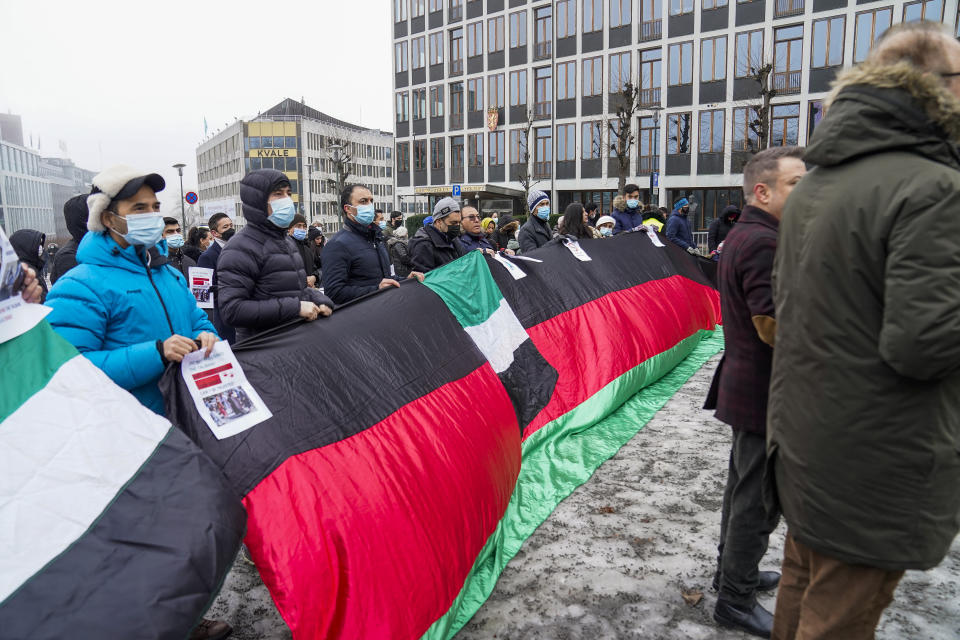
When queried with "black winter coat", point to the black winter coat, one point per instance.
{"points": [[430, 249], [182, 262], [533, 234], [75, 215], [720, 227], [400, 256], [354, 262], [260, 276], [28, 243], [310, 264]]}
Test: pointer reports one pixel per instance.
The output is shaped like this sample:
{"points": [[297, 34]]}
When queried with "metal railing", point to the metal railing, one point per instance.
{"points": [[456, 121], [651, 30], [649, 96], [456, 67], [542, 109], [700, 238], [541, 169], [785, 8], [786, 82], [542, 50], [456, 10], [749, 145], [648, 164]]}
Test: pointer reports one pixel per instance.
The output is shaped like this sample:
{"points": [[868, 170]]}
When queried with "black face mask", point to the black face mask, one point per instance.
{"points": [[226, 235], [453, 231], [397, 224]]}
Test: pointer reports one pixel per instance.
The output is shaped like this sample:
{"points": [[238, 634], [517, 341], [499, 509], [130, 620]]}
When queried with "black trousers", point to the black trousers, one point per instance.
{"points": [[745, 525]]}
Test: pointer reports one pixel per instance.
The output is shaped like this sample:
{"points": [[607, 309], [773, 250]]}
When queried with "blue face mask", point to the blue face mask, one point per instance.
{"points": [[175, 241], [144, 229], [300, 234], [383, 224], [606, 231], [365, 214], [543, 213], [633, 204], [283, 212]]}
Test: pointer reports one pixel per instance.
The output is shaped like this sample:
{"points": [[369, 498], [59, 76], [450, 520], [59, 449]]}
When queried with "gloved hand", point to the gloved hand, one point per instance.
{"points": [[694, 251]]}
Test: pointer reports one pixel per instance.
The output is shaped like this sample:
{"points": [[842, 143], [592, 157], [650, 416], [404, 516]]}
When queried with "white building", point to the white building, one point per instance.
{"points": [[308, 146], [26, 198]]}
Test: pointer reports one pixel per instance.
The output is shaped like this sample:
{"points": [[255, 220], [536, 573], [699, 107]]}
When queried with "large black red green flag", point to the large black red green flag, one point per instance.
{"points": [[420, 435]]}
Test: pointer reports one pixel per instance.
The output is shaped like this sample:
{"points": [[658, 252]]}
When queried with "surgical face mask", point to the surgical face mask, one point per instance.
{"points": [[283, 212], [365, 214], [543, 213], [633, 204], [300, 234], [175, 241], [606, 231], [144, 229], [383, 224]]}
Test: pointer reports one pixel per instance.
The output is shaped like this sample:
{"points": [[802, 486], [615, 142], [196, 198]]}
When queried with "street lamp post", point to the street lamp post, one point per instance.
{"points": [[183, 212], [337, 157]]}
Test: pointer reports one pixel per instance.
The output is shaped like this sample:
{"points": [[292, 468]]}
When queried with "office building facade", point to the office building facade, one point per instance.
{"points": [[472, 78], [310, 147]]}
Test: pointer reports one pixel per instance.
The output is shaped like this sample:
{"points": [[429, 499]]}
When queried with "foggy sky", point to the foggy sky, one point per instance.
{"points": [[131, 82]]}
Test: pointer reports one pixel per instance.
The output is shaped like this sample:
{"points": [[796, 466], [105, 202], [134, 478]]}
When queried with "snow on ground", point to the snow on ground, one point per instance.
{"points": [[616, 557]]}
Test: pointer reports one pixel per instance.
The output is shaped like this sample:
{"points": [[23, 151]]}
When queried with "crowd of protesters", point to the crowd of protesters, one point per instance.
{"points": [[864, 320]]}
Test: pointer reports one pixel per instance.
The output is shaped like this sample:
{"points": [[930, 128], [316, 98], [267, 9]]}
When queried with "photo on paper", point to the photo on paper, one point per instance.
{"points": [[228, 405], [202, 294]]}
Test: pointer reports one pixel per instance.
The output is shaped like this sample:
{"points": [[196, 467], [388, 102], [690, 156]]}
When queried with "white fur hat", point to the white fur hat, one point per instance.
{"points": [[605, 220], [117, 183]]}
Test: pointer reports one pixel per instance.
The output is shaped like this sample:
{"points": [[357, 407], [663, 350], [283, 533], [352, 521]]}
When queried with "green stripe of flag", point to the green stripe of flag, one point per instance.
{"points": [[467, 288], [28, 362]]}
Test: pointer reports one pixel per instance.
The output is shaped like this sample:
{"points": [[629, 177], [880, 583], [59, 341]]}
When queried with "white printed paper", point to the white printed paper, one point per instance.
{"points": [[654, 238], [577, 250], [511, 268], [16, 316], [220, 391], [201, 286]]}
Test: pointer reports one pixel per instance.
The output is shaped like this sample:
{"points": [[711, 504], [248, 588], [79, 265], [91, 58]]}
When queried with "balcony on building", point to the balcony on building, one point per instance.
{"points": [[651, 30], [541, 169], [787, 8], [647, 165], [542, 110], [542, 50], [786, 82], [650, 97]]}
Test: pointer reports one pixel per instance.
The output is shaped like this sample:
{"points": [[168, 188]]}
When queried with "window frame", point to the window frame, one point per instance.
{"points": [[873, 28], [521, 86], [594, 77], [495, 39], [828, 22], [689, 143], [715, 116], [623, 15], [618, 76], [592, 129], [517, 29], [563, 79], [714, 58], [566, 133], [681, 47], [592, 22]]}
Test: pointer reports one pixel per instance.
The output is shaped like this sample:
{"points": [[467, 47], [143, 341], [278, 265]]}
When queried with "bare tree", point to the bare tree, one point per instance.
{"points": [[341, 158], [526, 177], [621, 130], [679, 134]]}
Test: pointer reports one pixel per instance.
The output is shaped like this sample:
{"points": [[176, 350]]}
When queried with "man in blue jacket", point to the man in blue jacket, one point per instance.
{"points": [[678, 227], [124, 306], [631, 216]]}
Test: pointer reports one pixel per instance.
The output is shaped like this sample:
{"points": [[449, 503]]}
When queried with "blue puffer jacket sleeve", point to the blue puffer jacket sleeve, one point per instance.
{"points": [[80, 317], [676, 229], [336, 273]]}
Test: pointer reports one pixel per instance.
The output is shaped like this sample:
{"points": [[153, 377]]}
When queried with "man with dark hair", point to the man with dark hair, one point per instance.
{"points": [[173, 235], [261, 278], [395, 222], [864, 410], [355, 260], [739, 389], [299, 233], [473, 237], [436, 245], [221, 228], [75, 215], [631, 216], [593, 212], [679, 231]]}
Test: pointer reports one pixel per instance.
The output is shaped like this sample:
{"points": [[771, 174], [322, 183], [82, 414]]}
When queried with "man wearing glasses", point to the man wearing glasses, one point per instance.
{"points": [[473, 237]]}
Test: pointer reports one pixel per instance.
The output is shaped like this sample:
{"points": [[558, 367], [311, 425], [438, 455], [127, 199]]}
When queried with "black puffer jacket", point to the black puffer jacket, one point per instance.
{"points": [[28, 244], [355, 261], [75, 214], [260, 275], [430, 249]]}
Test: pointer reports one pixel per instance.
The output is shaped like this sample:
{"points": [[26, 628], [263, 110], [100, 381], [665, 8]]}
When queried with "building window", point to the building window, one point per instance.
{"points": [[650, 76], [592, 140], [566, 142], [420, 155], [543, 96], [788, 59], [827, 47], [436, 5], [680, 7], [785, 125], [419, 56], [403, 156], [711, 131], [678, 133], [614, 127], [816, 115], [456, 51], [619, 71], [475, 94], [749, 54], [713, 4], [436, 48], [475, 149], [495, 149], [456, 104], [518, 146], [518, 88], [592, 15], [713, 59], [620, 13], [419, 104], [681, 63], [593, 76], [542, 152], [436, 154], [474, 39], [870, 26], [648, 145], [651, 25], [417, 8], [456, 9], [566, 80], [518, 29], [400, 52], [399, 10], [495, 34], [495, 91], [543, 33], [785, 8], [403, 113], [436, 102], [566, 18], [931, 10]]}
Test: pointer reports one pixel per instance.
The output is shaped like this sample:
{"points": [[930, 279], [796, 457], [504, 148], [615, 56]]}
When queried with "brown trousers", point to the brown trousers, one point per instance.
{"points": [[821, 598]]}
